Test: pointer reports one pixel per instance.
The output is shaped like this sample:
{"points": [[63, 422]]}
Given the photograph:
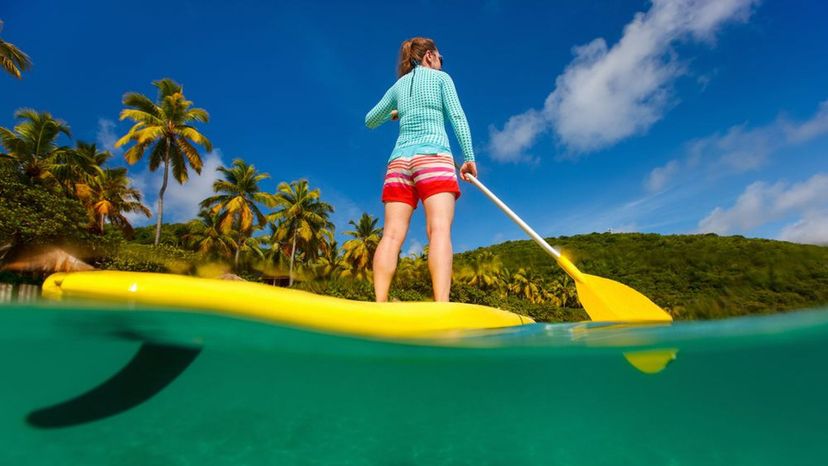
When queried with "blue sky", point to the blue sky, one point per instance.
{"points": [[668, 116]]}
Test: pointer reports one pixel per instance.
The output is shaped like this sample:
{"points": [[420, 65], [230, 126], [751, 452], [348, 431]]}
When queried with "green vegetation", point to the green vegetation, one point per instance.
{"points": [[58, 193], [693, 276], [165, 128], [359, 251], [234, 210], [33, 216], [12, 59], [301, 223]]}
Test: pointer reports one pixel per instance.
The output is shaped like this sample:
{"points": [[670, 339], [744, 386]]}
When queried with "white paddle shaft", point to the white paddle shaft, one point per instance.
{"points": [[529, 231]]}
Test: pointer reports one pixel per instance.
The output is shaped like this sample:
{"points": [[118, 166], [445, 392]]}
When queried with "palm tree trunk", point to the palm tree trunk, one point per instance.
{"points": [[238, 251], [161, 195], [292, 254]]}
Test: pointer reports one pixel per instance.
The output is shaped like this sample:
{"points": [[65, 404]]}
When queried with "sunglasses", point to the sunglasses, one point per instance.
{"points": [[439, 57]]}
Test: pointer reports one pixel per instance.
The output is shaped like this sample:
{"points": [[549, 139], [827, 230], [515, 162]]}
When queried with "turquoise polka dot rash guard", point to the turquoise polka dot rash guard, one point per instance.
{"points": [[424, 98]]}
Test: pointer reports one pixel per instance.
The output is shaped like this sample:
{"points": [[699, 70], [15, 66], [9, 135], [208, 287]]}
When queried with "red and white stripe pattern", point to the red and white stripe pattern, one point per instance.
{"points": [[411, 178]]}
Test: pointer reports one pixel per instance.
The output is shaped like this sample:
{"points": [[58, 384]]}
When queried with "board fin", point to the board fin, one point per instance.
{"points": [[152, 368]]}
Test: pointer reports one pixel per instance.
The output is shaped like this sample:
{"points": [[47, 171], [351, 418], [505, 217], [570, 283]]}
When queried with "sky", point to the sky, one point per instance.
{"points": [[666, 116]]}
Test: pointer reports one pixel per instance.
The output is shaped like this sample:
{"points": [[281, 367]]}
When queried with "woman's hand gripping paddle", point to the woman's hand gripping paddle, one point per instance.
{"points": [[603, 299]]}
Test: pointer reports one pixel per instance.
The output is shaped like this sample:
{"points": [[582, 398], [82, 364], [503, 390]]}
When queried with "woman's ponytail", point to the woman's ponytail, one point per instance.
{"points": [[412, 52]]}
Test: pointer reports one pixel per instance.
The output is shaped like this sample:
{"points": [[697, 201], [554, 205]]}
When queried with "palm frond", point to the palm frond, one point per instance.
{"points": [[192, 154], [179, 166], [197, 114], [158, 154], [13, 60], [135, 153], [167, 87], [194, 135], [139, 116], [142, 103]]}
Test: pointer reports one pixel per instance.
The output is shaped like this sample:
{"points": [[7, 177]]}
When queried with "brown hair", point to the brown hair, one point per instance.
{"points": [[413, 49]]}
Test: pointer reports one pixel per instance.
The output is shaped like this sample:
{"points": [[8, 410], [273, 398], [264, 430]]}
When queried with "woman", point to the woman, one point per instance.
{"points": [[421, 166]]}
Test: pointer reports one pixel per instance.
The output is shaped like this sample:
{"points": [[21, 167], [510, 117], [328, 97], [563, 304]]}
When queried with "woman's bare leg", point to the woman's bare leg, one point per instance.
{"points": [[397, 218], [439, 210]]}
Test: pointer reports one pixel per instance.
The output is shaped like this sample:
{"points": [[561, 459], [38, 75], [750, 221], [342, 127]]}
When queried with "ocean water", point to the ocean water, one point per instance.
{"points": [[746, 391]]}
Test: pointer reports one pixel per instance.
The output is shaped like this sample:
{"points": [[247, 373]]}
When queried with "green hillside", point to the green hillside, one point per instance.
{"points": [[694, 276]]}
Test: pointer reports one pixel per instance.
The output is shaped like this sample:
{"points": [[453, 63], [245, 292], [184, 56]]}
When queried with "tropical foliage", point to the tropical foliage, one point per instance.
{"points": [[12, 59], [165, 127], [32, 215], [33, 144], [206, 236], [55, 177], [75, 169], [301, 220], [236, 204], [109, 196], [359, 251]]}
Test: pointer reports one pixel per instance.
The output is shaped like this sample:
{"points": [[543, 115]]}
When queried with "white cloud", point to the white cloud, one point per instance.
{"points": [[609, 93], [750, 211], [740, 149], [810, 229], [761, 204], [180, 201], [415, 248], [519, 133], [106, 136], [661, 175], [816, 126]]}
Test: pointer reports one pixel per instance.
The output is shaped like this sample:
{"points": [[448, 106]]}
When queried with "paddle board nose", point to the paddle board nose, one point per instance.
{"points": [[51, 286]]}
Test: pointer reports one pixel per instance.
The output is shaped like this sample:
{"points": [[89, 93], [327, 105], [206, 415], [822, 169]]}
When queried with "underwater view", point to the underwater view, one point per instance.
{"points": [[737, 391]]}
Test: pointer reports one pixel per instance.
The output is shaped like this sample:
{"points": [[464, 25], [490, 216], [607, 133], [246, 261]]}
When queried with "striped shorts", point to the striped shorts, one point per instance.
{"points": [[410, 179]]}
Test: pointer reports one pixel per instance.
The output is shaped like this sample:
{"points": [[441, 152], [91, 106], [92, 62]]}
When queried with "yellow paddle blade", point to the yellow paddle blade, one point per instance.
{"points": [[651, 361], [606, 300]]}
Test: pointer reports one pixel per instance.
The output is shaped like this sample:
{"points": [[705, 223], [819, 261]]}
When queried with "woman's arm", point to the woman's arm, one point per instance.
{"points": [[452, 108], [382, 111]]}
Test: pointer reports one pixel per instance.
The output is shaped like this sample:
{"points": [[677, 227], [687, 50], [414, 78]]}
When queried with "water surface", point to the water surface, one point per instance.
{"points": [[741, 391]]}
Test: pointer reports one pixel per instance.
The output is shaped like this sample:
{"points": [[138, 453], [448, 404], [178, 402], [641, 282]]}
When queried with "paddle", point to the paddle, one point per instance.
{"points": [[603, 299]]}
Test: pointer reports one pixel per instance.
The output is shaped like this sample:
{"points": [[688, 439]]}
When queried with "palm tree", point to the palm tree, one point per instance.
{"points": [[206, 237], [272, 248], [302, 218], [413, 269], [526, 284], [359, 251], [12, 59], [505, 278], [109, 196], [33, 143], [166, 127], [483, 272], [565, 292], [330, 263], [249, 246], [74, 169], [237, 201]]}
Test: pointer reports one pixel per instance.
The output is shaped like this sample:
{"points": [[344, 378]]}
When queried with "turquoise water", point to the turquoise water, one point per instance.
{"points": [[742, 391]]}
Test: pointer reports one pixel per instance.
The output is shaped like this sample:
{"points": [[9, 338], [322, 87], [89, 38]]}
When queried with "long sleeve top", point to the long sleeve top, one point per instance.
{"points": [[424, 99]]}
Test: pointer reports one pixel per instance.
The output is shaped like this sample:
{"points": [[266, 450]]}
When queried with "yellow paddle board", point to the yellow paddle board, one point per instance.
{"points": [[279, 305]]}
